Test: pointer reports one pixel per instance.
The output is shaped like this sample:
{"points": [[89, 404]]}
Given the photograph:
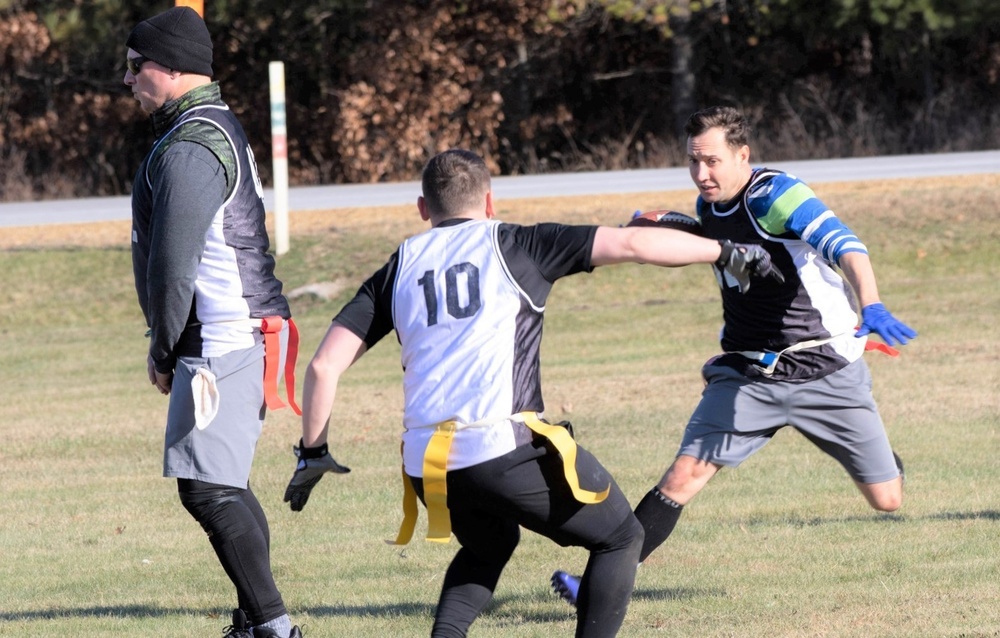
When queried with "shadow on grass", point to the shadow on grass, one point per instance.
{"points": [[801, 522], [514, 606], [988, 515], [151, 611], [394, 609], [520, 608], [816, 521], [678, 593], [101, 611]]}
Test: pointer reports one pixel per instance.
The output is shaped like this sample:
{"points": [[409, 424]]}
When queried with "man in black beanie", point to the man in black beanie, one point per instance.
{"points": [[207, 288]]}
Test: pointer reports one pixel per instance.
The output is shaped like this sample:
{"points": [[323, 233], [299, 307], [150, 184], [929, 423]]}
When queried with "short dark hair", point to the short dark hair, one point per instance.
{"points": [[454, 182], [732, 122]]}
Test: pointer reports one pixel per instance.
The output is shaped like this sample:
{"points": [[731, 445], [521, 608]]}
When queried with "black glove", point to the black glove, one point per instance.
{"points": [[742, 261], [313, 463]]}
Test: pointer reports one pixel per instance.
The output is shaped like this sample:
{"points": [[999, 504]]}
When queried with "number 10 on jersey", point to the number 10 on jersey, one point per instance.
{"points": [[461, 292]]}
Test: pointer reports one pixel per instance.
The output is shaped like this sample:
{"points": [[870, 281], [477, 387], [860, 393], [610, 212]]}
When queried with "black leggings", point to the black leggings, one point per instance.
{"points": [[238, 530], [488, 502]]}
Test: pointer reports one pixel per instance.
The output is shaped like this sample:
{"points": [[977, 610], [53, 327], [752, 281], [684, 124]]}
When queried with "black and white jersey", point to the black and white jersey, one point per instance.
{"points": [[220, 276], [466, 300], [804, 239]]}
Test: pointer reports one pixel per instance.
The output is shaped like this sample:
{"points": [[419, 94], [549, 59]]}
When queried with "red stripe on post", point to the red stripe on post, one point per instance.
{"points": [[279, 147]]}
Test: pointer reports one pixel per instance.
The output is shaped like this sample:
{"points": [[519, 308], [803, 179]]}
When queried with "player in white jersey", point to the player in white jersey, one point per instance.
{"points": [[791, 350], [466, 299]]}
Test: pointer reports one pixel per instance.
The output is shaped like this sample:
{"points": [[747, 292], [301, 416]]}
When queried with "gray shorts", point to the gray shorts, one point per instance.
{"points": [[222, 452], [738, 416]]}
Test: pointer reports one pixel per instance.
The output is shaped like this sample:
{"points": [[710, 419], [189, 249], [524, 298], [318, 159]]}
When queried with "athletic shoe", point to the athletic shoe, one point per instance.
{"points": [[567, 586], [240, 627]]}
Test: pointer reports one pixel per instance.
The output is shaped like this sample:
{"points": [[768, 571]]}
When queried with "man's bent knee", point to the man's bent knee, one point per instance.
{"points": [[212, 506], [888, 503], [630, 534], [884, 497]]}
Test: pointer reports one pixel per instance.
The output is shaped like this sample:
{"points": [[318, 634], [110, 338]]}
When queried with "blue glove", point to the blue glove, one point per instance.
{"points": [[876, 318]]}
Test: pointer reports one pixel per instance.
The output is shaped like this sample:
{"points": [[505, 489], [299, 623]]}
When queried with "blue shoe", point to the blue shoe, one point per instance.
{"points": [[567, 586]]}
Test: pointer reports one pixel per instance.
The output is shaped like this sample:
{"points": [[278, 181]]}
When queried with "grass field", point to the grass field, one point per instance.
{"points": [[94, 543]]}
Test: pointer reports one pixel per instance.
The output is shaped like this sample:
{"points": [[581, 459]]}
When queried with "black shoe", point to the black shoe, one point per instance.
{"points": [[240, 627]]}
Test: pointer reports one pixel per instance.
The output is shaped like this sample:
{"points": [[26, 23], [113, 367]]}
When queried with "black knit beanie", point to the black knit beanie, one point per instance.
{"points": [[177, 39]]}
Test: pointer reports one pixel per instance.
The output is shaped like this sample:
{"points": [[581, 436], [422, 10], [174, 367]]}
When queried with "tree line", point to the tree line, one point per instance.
{"points": [[374, 87]]}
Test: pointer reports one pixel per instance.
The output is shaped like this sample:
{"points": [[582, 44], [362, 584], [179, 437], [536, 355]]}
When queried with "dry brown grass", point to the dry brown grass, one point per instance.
{"points": [[850, 199]]}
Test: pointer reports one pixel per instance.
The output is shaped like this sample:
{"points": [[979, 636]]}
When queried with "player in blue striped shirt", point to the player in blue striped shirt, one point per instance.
{"points": [[792, 349]]}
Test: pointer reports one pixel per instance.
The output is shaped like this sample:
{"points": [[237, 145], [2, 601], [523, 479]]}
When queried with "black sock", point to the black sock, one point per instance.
{"points": [[658, 516], [899, 466]]}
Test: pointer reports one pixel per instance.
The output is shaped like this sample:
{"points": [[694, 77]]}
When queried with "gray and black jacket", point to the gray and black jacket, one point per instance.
{"points": [[199, 242]]}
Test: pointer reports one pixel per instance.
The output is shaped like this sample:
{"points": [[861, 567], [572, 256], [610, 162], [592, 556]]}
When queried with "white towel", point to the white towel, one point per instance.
{"points": [[206, 397]]}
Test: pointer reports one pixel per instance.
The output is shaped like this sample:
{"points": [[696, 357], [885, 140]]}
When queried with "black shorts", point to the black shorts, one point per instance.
{"points": [[527, 488]]}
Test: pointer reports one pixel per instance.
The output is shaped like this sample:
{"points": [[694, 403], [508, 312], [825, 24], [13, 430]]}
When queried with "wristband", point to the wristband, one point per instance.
{"points": [[304, 452]]}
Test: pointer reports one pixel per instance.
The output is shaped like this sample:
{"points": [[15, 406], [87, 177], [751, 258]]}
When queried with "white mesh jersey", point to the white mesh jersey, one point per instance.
{"points": [[466, 300]]}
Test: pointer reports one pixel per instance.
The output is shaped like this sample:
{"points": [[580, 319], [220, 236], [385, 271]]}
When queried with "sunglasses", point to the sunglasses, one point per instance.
{"points": [[135, 64]]}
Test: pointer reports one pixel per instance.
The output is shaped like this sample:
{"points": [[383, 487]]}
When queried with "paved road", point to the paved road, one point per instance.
{"points": [[554, 185]]}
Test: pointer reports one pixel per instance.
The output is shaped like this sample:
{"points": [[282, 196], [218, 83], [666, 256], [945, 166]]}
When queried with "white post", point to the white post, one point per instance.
{"points": [[279, 156]]}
